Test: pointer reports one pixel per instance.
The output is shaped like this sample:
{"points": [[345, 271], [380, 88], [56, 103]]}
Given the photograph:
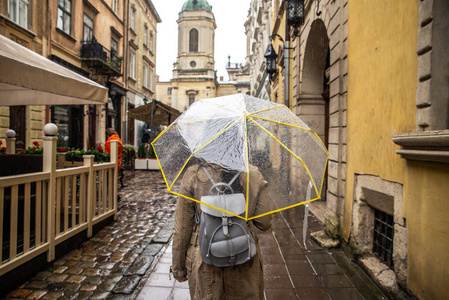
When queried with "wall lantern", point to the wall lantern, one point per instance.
{"points": [[295, 13], [145, 100], [270, 57]]}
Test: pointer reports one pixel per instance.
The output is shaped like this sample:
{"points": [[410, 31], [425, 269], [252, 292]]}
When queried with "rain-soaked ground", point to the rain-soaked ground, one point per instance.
{"points": [[129, 258]]}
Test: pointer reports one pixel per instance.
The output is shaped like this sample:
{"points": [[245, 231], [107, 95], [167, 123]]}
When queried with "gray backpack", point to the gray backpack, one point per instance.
{"points": [[225, 239]]}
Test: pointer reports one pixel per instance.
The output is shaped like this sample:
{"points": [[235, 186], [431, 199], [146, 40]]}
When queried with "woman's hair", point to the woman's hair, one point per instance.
{"points": [[110, 131]]}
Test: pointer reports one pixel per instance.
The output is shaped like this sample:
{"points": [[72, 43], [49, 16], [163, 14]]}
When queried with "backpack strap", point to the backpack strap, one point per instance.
{"points": [[216, 185]]}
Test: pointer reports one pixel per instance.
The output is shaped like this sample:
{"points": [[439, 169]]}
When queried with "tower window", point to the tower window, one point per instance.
{"points": [[191, 99], [193, 40]]}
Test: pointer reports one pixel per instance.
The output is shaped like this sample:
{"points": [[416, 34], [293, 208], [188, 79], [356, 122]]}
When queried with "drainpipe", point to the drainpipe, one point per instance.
{"points": [[49, 4], [287, 64], [126, 5]]}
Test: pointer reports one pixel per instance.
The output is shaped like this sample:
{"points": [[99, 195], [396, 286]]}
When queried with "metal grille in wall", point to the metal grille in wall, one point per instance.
{"points": [[383, 237]]}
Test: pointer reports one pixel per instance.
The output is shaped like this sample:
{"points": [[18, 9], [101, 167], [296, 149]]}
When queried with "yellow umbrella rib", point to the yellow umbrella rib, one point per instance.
{"points": [[298, 127], [227, 127], [198, 201], [247, 170], [160, 134], [285, 208], [324, 174], [286, 148], [162, 171], [182, 169], [265, 109], [202, 146], [282, 123]]}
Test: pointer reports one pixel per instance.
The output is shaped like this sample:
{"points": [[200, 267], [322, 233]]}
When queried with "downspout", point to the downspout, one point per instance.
{"points": [[125, 69], [47, 107], [287, 64]]}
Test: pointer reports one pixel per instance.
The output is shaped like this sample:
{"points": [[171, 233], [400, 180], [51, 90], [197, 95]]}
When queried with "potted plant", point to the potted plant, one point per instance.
{"points": [[141, 161], [152, 161]]}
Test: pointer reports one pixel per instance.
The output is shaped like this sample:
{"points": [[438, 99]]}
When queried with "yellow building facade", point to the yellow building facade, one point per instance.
{"points": [[371, 79], [397, 132]]}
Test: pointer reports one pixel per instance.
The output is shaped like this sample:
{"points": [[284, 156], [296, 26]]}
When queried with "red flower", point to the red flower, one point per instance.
{"points": [[34, 148], [35, 143], [1, 143], [2, 148], [63, 149], [99, 148], [21, 151]]}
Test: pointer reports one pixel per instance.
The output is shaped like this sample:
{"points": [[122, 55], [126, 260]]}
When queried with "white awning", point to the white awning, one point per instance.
{"points": [[27, 78]]}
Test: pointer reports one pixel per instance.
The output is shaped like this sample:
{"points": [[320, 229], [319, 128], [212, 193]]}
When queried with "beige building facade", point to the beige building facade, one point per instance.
{"points": [[26, 27], [141, 69], [258, 31], [94, 38]]}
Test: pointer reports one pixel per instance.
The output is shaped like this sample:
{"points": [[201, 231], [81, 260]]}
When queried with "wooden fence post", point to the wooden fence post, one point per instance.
{"points": [[90, 201], [61, 160], [49, 165], [114, 151], [10, 145]]}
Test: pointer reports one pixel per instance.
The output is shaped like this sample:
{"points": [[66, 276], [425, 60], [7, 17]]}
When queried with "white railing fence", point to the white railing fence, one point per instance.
{"points": [[40, 210]]}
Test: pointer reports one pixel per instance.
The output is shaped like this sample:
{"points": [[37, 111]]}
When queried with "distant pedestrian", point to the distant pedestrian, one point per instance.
{"points": [[146, 141], [111, 134], [206, 281]]}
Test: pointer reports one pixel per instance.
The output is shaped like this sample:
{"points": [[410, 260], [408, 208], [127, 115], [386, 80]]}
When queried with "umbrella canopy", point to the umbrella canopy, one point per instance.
{"points": [[238, 132], [27, 78]]}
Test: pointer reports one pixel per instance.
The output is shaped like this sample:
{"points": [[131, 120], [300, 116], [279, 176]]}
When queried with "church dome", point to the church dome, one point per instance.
{"points": [[196, 5]]}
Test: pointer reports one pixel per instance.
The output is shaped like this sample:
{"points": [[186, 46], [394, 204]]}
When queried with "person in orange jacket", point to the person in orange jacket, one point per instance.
{"points": [[111, 134]]}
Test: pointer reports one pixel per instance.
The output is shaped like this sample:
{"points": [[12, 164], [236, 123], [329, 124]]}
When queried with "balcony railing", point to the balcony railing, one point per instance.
{"points": [[105, 61]]}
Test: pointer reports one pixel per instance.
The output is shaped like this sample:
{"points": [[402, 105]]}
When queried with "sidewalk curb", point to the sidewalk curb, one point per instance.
{"points": [[162, 239]]}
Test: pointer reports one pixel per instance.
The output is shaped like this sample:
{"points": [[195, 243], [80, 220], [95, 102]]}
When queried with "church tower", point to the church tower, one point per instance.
{"points": [[194, 75], [196, 42]]}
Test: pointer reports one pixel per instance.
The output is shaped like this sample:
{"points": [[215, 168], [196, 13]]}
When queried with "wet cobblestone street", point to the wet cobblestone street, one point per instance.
{"points": [[130, 258], [112, 263]]}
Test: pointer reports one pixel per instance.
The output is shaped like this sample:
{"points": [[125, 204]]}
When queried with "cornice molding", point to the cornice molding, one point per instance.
{"points": [[431, 146]]}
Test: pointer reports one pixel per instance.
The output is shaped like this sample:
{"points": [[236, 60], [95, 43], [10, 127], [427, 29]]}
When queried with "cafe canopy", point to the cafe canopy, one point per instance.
{"points": [[27, 78]]}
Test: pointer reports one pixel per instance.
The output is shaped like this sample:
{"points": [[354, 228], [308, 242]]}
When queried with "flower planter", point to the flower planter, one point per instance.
{"points": [[141, 164], [153, 164]]}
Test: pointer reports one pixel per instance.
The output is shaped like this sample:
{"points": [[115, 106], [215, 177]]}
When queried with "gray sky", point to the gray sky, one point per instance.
{"points": [[230, 39]]}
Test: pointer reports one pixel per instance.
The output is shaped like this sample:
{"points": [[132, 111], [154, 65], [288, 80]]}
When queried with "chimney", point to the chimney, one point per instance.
{"points": [[221, 78]]}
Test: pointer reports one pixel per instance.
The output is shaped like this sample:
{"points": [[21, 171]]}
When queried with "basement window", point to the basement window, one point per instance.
{"points": [[383, 237]]}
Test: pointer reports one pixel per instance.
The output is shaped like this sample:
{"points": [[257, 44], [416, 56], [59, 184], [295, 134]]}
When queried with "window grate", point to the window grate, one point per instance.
{"points": [[383, 237]]}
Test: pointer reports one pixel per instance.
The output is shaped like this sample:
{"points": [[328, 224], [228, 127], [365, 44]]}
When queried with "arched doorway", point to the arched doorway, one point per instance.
{"points": [[313, 100]]}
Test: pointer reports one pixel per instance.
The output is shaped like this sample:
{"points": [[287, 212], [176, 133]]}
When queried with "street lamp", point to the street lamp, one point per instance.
{"points": [[271, 57], [295, 13], [295, 18]]}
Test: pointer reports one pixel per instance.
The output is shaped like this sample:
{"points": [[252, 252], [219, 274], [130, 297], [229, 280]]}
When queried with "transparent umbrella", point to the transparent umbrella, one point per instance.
{"points": [[238, 132]]}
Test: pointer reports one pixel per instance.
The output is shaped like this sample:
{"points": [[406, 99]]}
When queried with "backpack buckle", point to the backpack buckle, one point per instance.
{"points": [[224, 223], [232, 259]]}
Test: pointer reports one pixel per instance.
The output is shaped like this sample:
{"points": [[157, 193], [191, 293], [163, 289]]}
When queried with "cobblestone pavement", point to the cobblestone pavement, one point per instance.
{"points": [[112, 263], [130, 258]]}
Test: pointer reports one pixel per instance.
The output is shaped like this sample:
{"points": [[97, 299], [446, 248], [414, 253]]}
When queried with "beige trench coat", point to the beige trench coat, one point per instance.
{"points": [[205, 281]]}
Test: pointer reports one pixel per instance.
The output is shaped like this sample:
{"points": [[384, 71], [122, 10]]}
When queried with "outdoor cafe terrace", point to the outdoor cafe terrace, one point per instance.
{"points": [[48, 207]]}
